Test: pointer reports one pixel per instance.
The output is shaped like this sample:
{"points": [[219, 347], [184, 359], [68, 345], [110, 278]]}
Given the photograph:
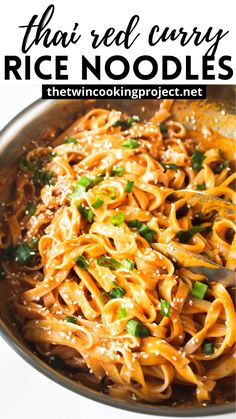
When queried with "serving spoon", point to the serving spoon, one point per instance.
{"points": [[198, 264]]}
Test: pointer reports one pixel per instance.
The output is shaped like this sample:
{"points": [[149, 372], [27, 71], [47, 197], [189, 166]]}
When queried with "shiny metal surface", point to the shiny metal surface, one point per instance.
{"points": [[30, 125]]}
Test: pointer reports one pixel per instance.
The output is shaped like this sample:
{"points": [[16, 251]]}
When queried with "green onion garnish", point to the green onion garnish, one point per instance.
{"points": [[42, 177], [135, 328], [108, 262], [56, 362], [26, 165], [85, 181], [117, 171], [143, 229], [165, 308], [199, 290], [221, 166], [30, 209], [185, 235], [170, 166], [197, 160], [82, 262], [97, 179], [126, 123], [121, 313], [23, 253], [71, 319], [163, 128], [51, 155], [97, 203], [129, 186], [70, 140], [117, 219], [86, 213], [130, 143], [128, 264], [117, 292], [80, 187], [2, 273], [201, 186], [208, 348]]}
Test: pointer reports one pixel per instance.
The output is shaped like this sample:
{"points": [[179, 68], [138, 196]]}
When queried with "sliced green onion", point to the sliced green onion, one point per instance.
{"points": [[85, 181], [197, 160], [86, 213], [208, 348], [117, 292], [129, 186], [201, 186], [185, 235], [128, 264], [108, 262], [70, 140], [181, 212], [163, 128], [165, 308], [117, 219], [34, 242], [30, 209], [97, 203], [26, 165], [131, 143], [56, 362], [135, 328], [52, 155], [126, 123], [134, 223], [78, 191], [170, 166], [42, 177], [2, 273], [97, 179], [23, 253], [71, 319], [82, 262], [199, 290], [121, 313], [117, 171]]}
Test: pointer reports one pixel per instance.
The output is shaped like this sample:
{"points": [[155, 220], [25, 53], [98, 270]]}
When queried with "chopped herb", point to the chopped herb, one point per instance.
{"points": [[117, 171], [42, 177], [181, 212], [199, 290], [135, 328], [26, 165], [23, 253], [117, 292], [165, 308], [70, 140], [170, 166], [129, 186], [56, 362], [97, 179], [163, 128], [221, 166], [86, 213], [78, 191], [201, 186], [208, 348], [71, 319], [30, 209], [52, 155], [108, 262], [197, 160], [82, 262], [117, 219], [143, 230], [185, 235], [2, 273], [97, 203], [128, 264], [85, 181], [121, 313], [131, 143], [126, 123]]}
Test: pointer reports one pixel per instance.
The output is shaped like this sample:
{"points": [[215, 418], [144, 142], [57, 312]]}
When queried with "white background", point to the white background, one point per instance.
{"points": [[25, 393]]}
